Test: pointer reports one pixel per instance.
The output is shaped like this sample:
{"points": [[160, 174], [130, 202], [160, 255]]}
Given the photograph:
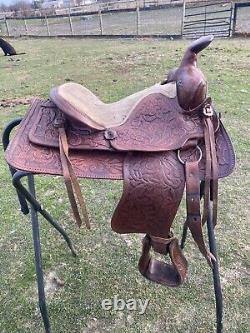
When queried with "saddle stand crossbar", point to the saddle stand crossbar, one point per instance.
{"points": [[159, 141]]}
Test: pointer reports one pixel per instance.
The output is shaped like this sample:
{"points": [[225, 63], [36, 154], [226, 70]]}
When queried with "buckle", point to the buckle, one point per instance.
{"points": [[208, 110], [59, 120]]}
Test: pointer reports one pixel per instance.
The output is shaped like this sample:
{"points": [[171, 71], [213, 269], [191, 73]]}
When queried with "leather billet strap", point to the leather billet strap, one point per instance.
{"points": [[193, 220], [171, 275], [71, 182], [211, 169]]}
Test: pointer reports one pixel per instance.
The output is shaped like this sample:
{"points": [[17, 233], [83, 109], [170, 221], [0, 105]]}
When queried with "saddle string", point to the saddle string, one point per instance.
{"points": [[71, 182]]}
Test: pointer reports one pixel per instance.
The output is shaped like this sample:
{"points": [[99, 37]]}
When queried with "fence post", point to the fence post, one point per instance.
{"points": [[25, 25], [234, 18], [100, 21], [183, 17], [137, 17], [47, 24], [70, 24], [7, 27], [205, 23], [230, 21]]}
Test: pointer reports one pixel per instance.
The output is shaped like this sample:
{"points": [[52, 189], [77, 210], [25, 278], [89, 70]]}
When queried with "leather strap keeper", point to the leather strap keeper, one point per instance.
{"points": [[161, 245]]}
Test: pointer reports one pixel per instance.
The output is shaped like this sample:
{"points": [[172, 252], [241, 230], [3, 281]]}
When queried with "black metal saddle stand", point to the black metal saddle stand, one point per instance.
{"points": [[28, 195]]}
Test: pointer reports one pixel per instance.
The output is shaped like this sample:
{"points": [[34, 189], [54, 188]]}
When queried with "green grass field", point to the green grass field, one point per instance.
{"points": [[107, 262]]}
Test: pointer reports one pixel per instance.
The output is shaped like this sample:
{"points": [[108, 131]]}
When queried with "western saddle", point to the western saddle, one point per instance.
{"points": [[158, 141]]}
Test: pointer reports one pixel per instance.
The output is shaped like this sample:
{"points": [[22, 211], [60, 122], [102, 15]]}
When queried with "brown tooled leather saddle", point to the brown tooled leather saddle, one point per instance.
{"points": [[158, 141]]}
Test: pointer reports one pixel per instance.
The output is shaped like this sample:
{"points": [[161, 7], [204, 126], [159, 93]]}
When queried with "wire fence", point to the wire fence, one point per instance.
{"points": [[157, 20], [154, 21]]}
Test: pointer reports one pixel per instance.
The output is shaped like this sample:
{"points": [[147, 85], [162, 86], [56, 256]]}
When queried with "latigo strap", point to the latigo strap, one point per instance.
{"points": [[211, 171], [193, 195], [193, 208]]}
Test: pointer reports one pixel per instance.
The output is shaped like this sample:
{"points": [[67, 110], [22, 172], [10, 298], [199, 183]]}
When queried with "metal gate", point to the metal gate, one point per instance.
{"points": [[201, 19]]}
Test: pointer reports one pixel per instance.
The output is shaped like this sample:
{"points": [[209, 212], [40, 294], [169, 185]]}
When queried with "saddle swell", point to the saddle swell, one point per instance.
{"points": [[159, 141]]}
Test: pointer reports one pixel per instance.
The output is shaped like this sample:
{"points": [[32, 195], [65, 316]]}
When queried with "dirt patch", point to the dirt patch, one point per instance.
{"points": [[10, 102], [236, 273], [52, 283]]}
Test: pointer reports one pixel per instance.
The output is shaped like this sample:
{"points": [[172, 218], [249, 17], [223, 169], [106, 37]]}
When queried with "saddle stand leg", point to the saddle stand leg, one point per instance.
{"points": [[184, 236], [38, 259], [213, 250], [216, 274], [35, 208], [6, 140]]}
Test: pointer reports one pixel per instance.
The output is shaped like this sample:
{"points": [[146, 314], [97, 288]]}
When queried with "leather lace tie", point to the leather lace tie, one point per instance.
{"points": [[71, 182]]}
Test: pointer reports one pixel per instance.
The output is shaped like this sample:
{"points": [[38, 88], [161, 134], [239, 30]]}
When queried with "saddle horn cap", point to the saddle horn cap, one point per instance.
{"points": [[190, 56], [200, 44]]}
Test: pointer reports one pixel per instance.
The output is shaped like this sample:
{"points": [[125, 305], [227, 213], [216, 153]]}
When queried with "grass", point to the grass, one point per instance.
{"points": [[107, 262]]}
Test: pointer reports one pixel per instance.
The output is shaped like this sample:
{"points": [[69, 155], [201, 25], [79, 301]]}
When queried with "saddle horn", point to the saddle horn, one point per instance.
{"points": [[200, 44], [190, 81]]}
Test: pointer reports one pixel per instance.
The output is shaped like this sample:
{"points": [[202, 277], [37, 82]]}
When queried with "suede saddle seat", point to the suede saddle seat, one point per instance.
{"points": [[81, 105], [158, 141]]}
